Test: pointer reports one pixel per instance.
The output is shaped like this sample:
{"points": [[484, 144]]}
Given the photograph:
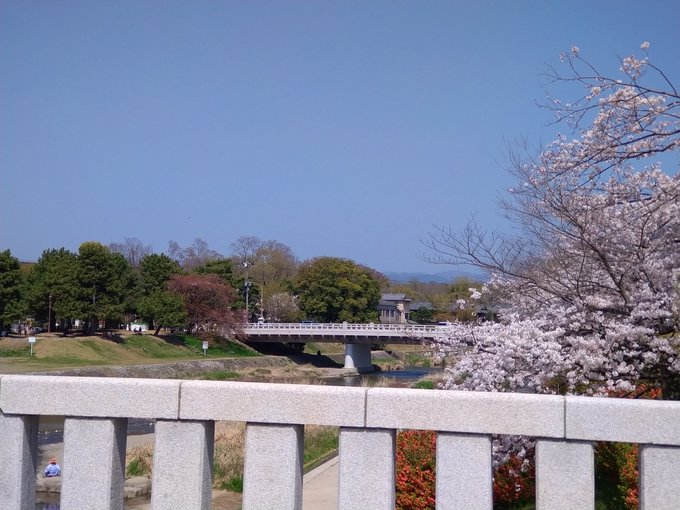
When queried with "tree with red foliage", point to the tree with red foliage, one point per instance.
{"points": [[207, 302]]}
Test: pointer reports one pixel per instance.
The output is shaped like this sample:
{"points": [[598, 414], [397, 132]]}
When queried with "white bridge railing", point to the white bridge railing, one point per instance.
{"points": [[96, 412], [414, 331]]}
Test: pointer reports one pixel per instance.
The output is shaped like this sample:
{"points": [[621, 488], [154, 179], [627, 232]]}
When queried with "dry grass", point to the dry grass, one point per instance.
{"points": [[139, 461], [227, 460], [320, 443], [229, 455], [374, 382]]}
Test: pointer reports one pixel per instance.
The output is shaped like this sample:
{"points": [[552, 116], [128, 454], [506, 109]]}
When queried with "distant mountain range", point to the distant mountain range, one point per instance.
{"points": [[440, 277]]}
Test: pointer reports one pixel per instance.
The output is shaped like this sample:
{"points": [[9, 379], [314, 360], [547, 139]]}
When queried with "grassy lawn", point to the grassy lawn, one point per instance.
{"points": [[229, 349], [52, 351]]}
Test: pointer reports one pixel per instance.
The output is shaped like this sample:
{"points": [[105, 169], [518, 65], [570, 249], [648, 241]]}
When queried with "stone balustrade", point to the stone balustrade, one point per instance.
{"points": [[96, 412]]}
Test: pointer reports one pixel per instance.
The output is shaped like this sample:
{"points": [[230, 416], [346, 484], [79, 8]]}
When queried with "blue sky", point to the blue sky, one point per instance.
{"points": [[342, 128]]}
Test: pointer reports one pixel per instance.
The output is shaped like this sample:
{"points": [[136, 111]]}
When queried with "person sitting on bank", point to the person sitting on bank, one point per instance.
{"points": [[52, 468]]}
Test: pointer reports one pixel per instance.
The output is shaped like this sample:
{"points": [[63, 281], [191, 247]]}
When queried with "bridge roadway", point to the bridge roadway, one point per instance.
{"points": [[357, 338]]}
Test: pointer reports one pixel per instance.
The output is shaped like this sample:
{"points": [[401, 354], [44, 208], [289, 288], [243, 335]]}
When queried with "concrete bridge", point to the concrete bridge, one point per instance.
{"points": [[357, 338], [96, 412]]}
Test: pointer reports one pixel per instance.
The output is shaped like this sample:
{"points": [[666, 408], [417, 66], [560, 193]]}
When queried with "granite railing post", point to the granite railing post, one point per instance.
{"points": [[93, 471], [565, 475], [367, 469], [18, 459], [659, 472], [272, 474], [182, 464], [464, 467], [274, 414]]}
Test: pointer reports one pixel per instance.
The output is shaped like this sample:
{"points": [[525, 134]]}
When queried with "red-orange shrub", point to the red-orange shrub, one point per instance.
{"points": [[416, 475], [416, 451]]}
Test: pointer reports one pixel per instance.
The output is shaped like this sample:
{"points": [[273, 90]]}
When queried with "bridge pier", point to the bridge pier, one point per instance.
{"points": [[358, 356]]}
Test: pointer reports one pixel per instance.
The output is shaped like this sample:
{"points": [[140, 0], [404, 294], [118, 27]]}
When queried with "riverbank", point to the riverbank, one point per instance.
{"points": [[164, 357]]}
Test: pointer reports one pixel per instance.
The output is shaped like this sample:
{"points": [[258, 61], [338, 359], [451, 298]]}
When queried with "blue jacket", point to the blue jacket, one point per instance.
{"points": [[52, 470]]}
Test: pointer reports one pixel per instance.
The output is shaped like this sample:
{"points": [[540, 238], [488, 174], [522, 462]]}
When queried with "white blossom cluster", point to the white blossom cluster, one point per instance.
{"points": [[590, 294], [595, 308]]}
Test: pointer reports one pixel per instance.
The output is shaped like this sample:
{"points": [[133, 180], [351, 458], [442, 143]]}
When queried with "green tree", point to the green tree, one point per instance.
{"points": [[422, 315], [155, 271], [337, 290], [52, 287], [155, 303], [221, 267], [162, 309], [105, 279], [11, 281]]}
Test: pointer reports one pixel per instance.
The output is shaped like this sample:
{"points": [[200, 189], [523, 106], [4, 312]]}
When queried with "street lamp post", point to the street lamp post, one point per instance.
{"points": [[246, 284], [49, 314]]}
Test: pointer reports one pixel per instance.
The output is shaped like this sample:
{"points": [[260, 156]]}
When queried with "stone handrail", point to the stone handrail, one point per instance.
{"points": [[96, 412]]}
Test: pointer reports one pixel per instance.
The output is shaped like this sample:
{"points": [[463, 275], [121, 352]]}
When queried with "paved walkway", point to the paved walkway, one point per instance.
{"points": [[320, 487]]}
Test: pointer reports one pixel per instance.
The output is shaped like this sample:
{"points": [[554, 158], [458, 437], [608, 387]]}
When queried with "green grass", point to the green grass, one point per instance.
{"points": [[321, 443], [412, 359], [220, 375], [387, 363], [135, 468], [425, 384], [96, 347], [16, 353], [226, 348], [71, 361], [80, 351], [234, 484], [152, 347]]}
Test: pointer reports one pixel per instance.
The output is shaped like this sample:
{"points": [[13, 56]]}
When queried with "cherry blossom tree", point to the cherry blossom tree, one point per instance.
{"points": [[282, 307], [588, 291]]}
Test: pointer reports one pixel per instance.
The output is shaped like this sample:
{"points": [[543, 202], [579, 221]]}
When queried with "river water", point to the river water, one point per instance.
{"points": [[391, 378], [51, 427]]}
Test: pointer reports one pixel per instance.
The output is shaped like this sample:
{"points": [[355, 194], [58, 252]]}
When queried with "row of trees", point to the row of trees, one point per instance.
{"points": [[194, 287]]}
